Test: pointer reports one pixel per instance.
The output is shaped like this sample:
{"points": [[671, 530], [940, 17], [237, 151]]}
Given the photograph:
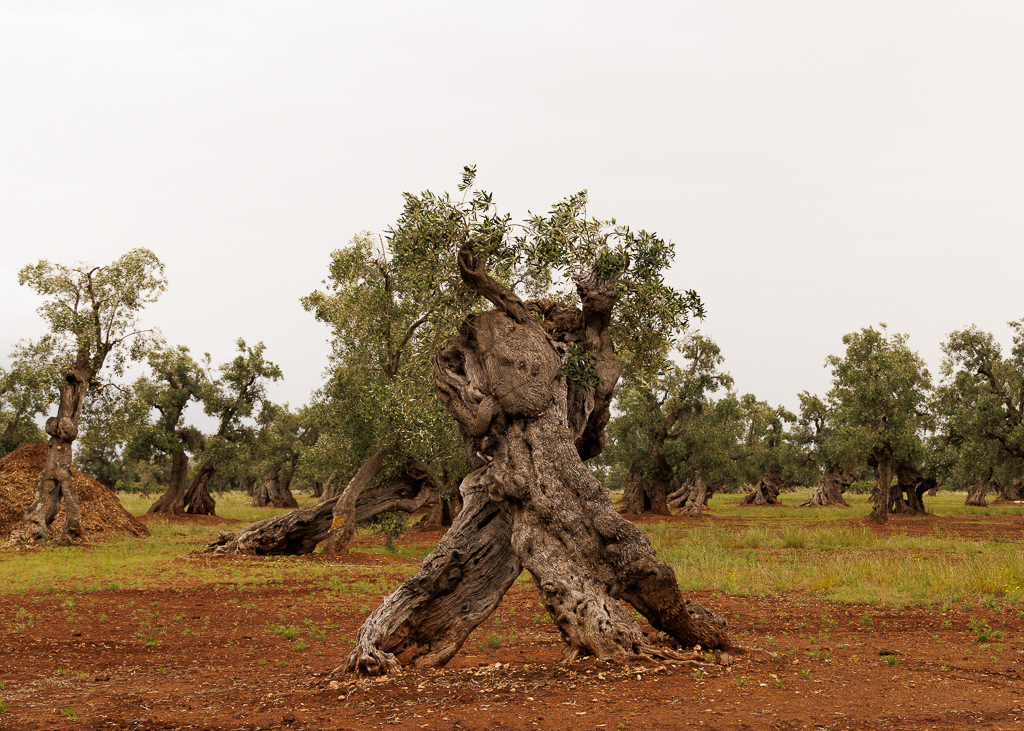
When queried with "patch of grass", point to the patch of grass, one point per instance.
{"points": [[890, 659], [69, 713]]}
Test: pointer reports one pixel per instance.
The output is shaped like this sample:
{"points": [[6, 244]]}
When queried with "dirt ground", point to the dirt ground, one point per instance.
{"points": [[204, 657]]}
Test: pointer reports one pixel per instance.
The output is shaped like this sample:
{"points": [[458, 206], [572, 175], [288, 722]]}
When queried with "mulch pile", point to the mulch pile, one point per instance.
{"points": [[102, 512]]}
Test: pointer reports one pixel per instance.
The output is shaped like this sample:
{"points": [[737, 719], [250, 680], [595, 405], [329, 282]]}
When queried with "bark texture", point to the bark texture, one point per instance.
{"points": [[910, 488], [692, 497], [292, 534], [766, 491], [428, 618], [54, 482], [882, 461], [274, 491], [1012, 493], [977, 493], [192, 498], [527, 431], [831, 486]]}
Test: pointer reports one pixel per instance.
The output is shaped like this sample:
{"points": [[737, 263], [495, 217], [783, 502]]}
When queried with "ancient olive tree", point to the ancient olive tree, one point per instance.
{"points": [[670, 433], [232, 399], [283, 437], [980, 403], [767, 450], [813, 432], [879, 395], [529, 383], [93, 315], [175, 381]]}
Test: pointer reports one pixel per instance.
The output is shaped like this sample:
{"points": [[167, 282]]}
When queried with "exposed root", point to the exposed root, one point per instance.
{"points": [[366, 659]]}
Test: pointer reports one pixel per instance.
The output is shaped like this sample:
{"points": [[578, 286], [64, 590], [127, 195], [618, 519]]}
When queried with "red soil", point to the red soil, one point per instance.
{"points": [[205, 656]]}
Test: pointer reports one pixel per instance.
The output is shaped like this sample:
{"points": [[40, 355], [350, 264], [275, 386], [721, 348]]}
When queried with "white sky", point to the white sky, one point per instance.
{"points": [[821, 166]]}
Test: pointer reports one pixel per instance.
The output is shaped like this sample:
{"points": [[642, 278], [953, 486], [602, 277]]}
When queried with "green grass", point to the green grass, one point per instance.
{"points": [[821, 552]]}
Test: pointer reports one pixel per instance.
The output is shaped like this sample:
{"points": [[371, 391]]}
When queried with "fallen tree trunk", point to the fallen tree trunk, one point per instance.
{"points": [[292, 534], [300, 531]]}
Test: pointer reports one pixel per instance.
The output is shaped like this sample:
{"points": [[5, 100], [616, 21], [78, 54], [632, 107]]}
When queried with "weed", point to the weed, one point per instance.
{"points": [[778, 683], [25, 620], [3, 706], [69, 713], [494, 640], [981, 629], [866, 620], [281, 664], [698, 674], [805, 673], [742, 680], [890, 659], [317, 634]]}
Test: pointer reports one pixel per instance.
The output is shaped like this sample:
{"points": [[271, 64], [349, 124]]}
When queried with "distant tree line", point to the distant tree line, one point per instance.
{"points": [[679, 431]]}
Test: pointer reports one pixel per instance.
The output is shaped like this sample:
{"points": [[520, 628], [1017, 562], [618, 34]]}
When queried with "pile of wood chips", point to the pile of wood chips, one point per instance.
{"points": [[102, 512]]}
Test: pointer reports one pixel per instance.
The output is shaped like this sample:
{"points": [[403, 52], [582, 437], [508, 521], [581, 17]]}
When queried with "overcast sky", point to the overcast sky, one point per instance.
{"points": [[820, 166]]}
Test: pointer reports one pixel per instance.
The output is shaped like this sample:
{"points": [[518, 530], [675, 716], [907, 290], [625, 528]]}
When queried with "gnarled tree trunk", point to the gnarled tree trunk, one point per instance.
{"points": [[977, 492], [274, 491], [692, 497], [1012, 493], [766, 491], [527, 431], [173, 500], [831, 486], [198, 500], [343, 517], [911, 483], [642, 495], [54, 482], [882, 461]]}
